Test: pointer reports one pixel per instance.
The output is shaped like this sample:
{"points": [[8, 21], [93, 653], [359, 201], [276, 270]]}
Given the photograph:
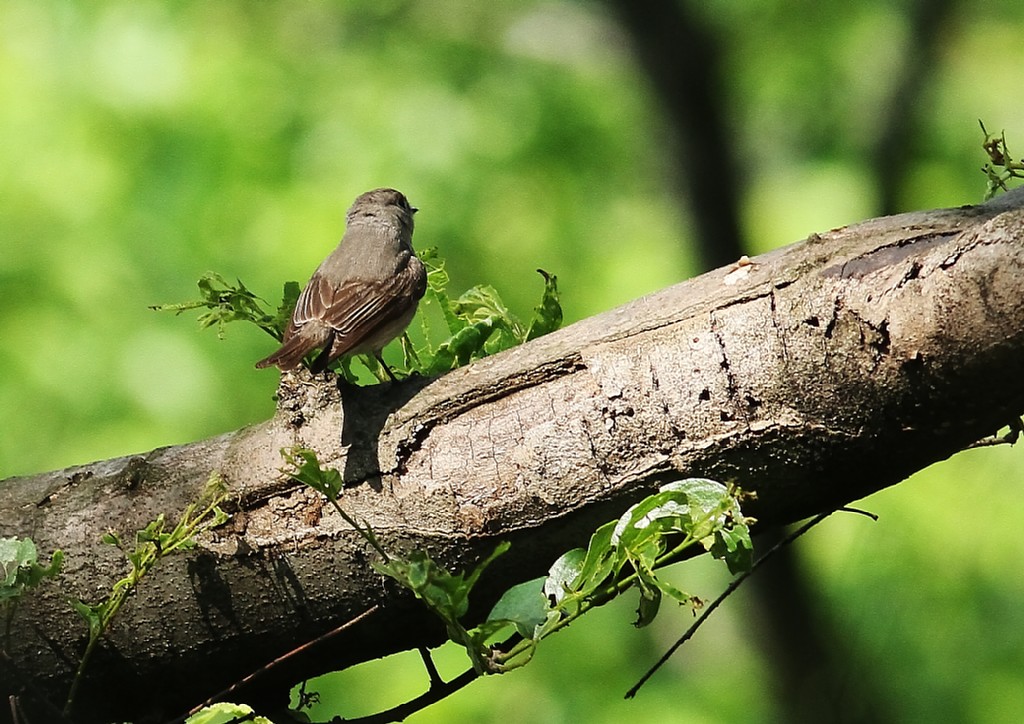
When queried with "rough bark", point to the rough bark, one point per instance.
{"points": [[813, 376]]}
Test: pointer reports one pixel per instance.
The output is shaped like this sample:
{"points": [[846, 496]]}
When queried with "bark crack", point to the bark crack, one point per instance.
{"points": [[731, 385]]}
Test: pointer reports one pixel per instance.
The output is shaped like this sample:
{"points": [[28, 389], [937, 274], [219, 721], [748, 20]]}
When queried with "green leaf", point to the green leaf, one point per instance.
{"points": [[708, 500], [622, 554], [442, 361], [16, 554], [645, 550], [152, 531], [289, 298], [523, 606], [20, 568], [36, 573], [479, 322], [599, 562], [461, 348], [678, 595], [468, 342], [700, 510], [563, 574], [487, 631], [733, 545], [445, 593], [220, 517], [304, 467], [499, 550], [501, 338], [343, 366], [547, 316], [437, 285], [185, 545], [650, 600], [225, 713], [695, 506], [92, 615], [484, 302]]}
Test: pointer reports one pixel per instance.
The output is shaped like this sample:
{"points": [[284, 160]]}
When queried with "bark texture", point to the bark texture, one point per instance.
{"points": [[814, 375]]}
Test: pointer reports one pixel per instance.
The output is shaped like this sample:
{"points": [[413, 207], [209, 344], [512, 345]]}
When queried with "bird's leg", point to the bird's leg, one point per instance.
{"points": [[380, 358]]}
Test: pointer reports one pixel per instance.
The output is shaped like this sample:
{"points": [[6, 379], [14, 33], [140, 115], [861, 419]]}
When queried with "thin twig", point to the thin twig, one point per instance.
{"points": [[428, 664], [858, 511], [280, 660], [725, 594], [1016, 426], [242, 718], [432, 696]]}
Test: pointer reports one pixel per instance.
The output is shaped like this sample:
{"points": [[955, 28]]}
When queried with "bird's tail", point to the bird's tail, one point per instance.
{"points": [[295, 348]]}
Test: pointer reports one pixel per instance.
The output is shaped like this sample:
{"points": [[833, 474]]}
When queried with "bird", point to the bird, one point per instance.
{"points": [[364, 294]]}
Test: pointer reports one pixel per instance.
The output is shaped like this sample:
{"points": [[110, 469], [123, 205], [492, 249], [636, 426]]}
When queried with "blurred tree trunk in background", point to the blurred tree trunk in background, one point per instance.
{"points": [[901, 110], [682, 57]]}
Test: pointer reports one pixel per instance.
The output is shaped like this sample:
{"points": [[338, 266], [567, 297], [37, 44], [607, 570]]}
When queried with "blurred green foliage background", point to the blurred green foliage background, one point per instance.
{"points": [[147, 142]]}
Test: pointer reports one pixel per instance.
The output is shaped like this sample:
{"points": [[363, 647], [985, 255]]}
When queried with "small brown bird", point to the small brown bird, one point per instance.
{"points": [[365, 292]]}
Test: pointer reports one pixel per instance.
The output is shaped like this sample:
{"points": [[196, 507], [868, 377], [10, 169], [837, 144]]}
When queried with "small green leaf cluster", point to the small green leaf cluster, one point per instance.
{"points": [[624, 554], [303, 466], [477, 323], [1000, 167], [151, 544], [226, 302], [21, 571], [446, 594]]}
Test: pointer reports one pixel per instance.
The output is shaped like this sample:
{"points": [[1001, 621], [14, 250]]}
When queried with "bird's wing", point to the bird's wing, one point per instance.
{"points": [[357, 308]]}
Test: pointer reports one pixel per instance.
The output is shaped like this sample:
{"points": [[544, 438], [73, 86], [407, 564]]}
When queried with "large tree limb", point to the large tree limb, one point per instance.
{"points": [[815, 375]]}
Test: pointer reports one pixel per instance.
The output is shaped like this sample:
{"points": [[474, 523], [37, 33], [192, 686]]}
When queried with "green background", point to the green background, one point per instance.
{"points": [[145, 143]]}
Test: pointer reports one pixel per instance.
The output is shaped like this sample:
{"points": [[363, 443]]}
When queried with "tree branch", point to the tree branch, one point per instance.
{"points": [[814, 376]]}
